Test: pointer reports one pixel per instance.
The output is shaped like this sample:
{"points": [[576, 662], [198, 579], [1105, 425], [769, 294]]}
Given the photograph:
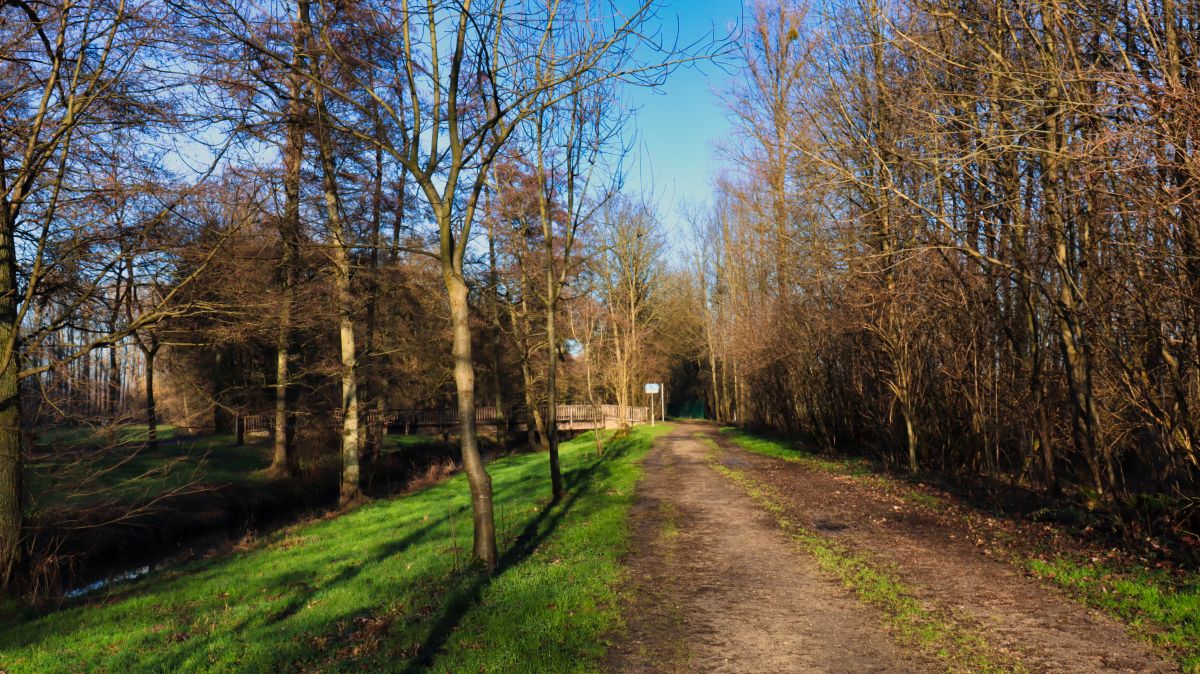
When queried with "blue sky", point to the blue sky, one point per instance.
{"points": [[679, 122]]}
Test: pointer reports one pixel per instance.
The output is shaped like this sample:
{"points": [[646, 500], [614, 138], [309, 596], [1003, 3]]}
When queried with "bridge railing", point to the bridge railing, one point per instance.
{"points": [[258, 423], [491, 416], [571, 415]]}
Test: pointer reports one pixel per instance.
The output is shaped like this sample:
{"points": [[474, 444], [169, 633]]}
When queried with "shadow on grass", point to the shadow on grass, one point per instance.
{"points": [[350, 573], [532, 535], [278, 607], [280, 582]]}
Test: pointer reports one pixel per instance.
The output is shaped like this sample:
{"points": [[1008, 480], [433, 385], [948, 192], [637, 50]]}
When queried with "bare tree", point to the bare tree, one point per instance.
{"points": [[993, 254], [462, 79], [69, 100]]}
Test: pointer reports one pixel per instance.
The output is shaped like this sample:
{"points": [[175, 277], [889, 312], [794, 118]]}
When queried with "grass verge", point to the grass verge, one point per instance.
{"points": [[914, 625], [384, 588], [1159, 607], [858, 469]]}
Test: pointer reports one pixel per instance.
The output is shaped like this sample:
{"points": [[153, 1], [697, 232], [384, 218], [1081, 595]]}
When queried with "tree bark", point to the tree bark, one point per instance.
{"points": [[284, 461], [495, 346], [114, 371], [11, 489], [374, 385], [1086, 423], [464, 380], [350, 489], [556, 481], [151, 404]]}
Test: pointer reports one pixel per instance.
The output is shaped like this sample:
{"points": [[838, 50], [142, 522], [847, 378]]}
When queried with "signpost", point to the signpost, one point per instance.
{"points": [[651, 389]]}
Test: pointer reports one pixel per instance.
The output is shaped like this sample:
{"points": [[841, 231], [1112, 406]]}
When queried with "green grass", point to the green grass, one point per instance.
{"points": [[913, 624], [99, 436], [132, 472], [399, 443], [1159, 607], [1162, 609], [670, 521], [382, 588], [780, 449], [858, 469]]}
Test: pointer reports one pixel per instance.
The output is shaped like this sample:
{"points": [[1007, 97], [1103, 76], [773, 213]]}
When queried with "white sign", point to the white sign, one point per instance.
{"points": [[651, 388]]}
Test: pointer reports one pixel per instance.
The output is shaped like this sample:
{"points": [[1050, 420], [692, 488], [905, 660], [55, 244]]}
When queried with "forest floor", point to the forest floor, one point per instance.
{"points": [[752, 563]]}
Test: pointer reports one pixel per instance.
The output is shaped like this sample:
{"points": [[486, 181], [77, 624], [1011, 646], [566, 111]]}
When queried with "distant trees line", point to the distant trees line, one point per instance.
{"points": [[965, 237], [306, 206]]}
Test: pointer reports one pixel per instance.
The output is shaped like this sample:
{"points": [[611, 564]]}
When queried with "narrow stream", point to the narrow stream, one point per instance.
{"points": [[132, 574], [125, 569], [220, 540]]}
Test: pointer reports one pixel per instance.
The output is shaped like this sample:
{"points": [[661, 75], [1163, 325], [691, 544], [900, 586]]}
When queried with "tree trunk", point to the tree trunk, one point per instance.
{"points": [[621, 363], [464, 381], [374, 385], [350, 470], [114, 374], [591, 391], [556, 481], [1086, 423], [712, 369], [151, 405], [910, 436], [534, 427], [11, 490], [533, 418], [284, 461], [496, 347], [11, 501], [349, 490]]}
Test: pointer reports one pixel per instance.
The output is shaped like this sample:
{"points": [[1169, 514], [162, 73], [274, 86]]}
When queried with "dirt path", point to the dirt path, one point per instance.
{"points": [[718, 587]]}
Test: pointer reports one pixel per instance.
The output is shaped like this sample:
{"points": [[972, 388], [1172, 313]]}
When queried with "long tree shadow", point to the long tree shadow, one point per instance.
{"points": [[177, 659], [582, 481], [348, 574], [281, 582], [532, 535]]}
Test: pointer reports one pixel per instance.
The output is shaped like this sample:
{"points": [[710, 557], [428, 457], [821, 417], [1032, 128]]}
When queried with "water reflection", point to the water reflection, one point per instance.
{"points": [[132, 574]]}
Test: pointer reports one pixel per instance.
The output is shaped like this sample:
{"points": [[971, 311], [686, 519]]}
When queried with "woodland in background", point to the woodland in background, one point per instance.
{"points": [[965, 237], [317, 212]]}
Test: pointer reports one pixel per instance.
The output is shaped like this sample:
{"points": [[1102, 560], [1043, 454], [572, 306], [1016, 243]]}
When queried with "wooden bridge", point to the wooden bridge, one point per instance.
{"points": [[570, 418]]}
